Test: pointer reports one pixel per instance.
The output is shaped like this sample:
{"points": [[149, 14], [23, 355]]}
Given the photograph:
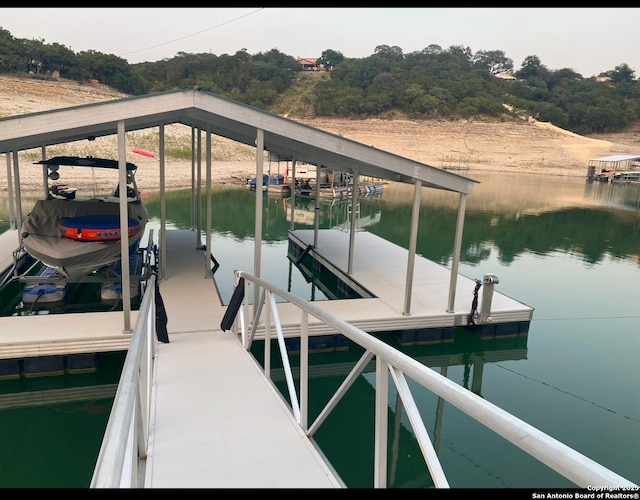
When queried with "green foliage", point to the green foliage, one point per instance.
{"points": [[330, 58], [430, 83]]}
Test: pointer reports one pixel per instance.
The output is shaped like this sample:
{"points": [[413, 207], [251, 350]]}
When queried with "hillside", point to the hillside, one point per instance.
{"points": [[518, 146]]}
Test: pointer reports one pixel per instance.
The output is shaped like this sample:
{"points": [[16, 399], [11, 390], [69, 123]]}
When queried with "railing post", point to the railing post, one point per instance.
{"points": [[381, 423]]}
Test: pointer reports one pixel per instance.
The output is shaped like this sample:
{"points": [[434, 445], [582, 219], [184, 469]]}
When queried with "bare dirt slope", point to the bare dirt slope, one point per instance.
{"points": [[517, 146]]}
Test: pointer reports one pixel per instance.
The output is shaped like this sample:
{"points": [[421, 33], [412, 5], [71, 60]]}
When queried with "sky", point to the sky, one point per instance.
{"points": [[586, 40]]}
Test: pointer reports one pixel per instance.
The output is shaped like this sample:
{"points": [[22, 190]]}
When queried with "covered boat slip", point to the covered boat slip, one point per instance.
{"points": [[267, 132], [611, 168], [210, 441]]}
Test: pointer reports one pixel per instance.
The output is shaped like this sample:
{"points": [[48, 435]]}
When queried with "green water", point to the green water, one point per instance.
{"points": [[56, 445]]}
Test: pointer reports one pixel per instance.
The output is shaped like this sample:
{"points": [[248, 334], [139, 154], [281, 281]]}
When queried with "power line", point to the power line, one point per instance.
{"points": [[192, 34]]}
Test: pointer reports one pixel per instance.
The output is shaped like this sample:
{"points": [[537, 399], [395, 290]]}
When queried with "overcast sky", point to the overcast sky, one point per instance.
{"points": [[587, 40]]}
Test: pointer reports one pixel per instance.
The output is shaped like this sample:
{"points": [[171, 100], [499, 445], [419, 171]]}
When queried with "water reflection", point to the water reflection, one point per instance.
{"points": [[513, 214]]}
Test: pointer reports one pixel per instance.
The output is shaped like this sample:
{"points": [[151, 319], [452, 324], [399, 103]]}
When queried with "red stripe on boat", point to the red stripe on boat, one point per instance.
{"points": [[98, 228]]}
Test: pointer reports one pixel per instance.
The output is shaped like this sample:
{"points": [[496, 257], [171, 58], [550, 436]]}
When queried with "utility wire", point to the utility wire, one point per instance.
{"points": [[587, 317], [498, 365], [192, 34]]}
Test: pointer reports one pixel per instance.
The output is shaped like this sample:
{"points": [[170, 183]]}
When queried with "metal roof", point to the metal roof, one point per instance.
{"points": [[615, 158], [223, 117]]}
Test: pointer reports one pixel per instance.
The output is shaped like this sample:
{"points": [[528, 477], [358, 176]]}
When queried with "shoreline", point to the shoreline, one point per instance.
{"points": [[178, 175], [477, 145]]}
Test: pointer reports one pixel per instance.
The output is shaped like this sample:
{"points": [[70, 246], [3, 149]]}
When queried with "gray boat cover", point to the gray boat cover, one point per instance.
{"points": [[43, 240]]}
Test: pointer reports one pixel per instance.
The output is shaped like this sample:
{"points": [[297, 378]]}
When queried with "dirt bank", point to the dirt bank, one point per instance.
{"points": [[513, 146]]}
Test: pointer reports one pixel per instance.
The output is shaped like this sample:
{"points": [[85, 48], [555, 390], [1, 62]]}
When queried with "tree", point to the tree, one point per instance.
{"points": [[330, 58], [393, 53], [494, 61], [463, 53], [622, 74], [532, 68]]}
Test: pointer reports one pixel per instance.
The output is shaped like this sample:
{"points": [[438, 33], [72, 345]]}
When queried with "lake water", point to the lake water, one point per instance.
{"points": [[568, 248]]}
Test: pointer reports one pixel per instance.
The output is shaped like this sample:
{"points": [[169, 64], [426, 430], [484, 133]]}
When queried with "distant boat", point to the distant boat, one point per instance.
{"points": [[333, 184], [77, 236], [271, 182]]}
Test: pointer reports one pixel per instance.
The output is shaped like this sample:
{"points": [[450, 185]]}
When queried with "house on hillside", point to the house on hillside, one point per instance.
{"points": [[309, 63], [605, 79], [506, 76]]}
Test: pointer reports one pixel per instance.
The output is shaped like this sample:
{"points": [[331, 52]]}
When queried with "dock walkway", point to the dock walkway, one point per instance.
{"points": [[216, 420]]}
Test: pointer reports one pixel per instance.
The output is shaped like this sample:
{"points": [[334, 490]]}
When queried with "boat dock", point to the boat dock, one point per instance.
{"points": [[205, 432], [615, 168], [379, 267], [203, 428], [381, 310]]}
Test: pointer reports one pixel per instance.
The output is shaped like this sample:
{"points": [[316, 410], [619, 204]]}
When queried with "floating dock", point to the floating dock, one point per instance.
{"points": [[378, 275]]}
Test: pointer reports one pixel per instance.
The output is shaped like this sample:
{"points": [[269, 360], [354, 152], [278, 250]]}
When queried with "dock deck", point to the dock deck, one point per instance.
{"points": [[380, 267], [204, 429]]}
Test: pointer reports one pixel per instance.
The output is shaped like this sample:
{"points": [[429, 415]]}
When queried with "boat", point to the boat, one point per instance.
{"points": [[334, 184], [273, 183], [78, 235]]}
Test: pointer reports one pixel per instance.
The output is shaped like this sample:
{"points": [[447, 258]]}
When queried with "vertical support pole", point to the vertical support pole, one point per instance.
{"points": [[16, 176], [316, 205], [457, 245], [257, 254], [124, 226], [354, 219], [198, 191], [292, 183], [12, 215], [193, 177], [304, 371], [207, 253], [163, 205], [413, 240], [45, 174], [381, 424]]}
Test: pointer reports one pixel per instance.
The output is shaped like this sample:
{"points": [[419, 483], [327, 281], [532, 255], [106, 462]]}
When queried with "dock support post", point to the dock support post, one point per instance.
{"points": [[489, 280], [455, 260], [12, 217], [413, 241]]}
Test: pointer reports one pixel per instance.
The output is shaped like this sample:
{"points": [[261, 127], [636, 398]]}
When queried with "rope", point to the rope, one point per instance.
{"points": [[473, 315]]}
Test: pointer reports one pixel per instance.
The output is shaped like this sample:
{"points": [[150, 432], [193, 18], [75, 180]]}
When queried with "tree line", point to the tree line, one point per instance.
{"points": [[433, 83]]}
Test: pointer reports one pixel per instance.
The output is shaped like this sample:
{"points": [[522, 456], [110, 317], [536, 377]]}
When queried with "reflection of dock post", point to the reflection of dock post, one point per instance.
{"points": [[489, 280], [437, 431], [395, 446], [478, 369]]}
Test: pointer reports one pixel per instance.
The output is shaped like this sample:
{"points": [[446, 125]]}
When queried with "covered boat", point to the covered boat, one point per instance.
{"points": [[77, 235]]}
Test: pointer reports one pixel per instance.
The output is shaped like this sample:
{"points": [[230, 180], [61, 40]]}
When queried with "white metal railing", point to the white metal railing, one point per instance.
{"points": [[576, 467], [124, 445], [122, 457]]}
